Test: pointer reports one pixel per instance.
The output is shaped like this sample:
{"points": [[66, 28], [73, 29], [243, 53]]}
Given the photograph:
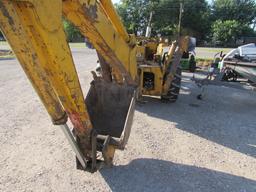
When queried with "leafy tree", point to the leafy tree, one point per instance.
{"points": [[254, 24], [195, 20], [243, 11], [72, 33], [226, 32], [224, 21], [135, 14], [165, 18], [233, 19], [195, 17], [248, 31]]}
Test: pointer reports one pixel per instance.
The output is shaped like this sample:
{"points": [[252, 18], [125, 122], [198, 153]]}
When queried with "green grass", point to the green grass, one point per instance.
{"points": [[204, 49], [213, 49], [203, 62], [77, 45], [7, 57], [4, 43], [203, 59], [200, 59], [74, 45], [209, 52]]}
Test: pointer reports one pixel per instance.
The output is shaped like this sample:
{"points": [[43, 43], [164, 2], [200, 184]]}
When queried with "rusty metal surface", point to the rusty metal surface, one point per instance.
{"points": [[183, 46], [94, 22], [108, 105], [128, 124], [42, 50], [105, 69]]}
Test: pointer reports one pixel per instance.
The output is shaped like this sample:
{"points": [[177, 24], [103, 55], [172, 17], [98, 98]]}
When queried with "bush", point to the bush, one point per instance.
{"points": [[226, 32], [72, 33]]}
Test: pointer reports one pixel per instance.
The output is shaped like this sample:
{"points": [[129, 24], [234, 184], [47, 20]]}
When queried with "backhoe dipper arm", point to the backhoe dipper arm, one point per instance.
{"points": [[34, 30], [99, 22]]}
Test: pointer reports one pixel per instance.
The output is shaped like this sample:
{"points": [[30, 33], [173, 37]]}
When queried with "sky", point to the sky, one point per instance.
{"points": [[117, 1]]}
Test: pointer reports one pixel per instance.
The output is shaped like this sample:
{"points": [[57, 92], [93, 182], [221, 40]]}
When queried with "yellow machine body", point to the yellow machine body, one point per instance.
{"points": [[154, 71], [157, 68], [35, 32]]}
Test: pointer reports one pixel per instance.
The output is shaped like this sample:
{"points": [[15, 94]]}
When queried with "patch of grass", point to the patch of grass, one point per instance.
{"points": [[213, 49], [77, 45], [7, 57], [203, 59], [4, 43], [5, 54], [203, 62]]}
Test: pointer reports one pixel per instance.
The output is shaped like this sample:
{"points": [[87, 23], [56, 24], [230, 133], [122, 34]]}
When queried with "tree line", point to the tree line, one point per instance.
{"points": [[222, 22]]}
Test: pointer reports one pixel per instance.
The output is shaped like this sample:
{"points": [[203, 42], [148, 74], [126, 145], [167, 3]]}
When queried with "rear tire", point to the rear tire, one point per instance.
{"points": [[174, 88]]}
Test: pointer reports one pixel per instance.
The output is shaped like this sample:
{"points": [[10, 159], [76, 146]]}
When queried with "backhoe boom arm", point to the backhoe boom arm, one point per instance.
{"points": [[35, 32]]}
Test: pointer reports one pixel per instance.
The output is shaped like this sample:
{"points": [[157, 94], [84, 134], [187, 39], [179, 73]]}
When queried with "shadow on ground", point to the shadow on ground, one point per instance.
{"points": [[158, 175], [226, 116]]}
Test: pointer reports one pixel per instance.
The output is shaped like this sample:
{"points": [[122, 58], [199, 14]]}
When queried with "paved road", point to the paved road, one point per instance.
{"points": [[191, 145]]}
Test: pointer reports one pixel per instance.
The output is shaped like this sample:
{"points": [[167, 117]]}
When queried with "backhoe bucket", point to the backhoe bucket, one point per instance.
{"points": [[111, 108]]}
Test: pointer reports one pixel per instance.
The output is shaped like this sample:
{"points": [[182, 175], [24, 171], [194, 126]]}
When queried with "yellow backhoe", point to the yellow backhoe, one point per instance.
{"points": [[102, 121]]}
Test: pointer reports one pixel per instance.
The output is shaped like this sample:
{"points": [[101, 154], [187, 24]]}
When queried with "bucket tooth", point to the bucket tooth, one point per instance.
{"points": [[111, 108]]}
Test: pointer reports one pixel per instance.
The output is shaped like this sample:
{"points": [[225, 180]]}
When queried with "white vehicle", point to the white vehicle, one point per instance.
{"points": [[245, 53], [242, 61]]}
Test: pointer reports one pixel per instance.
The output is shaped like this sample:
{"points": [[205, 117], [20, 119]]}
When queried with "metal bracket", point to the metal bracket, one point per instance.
{"points": [[74, 145]]}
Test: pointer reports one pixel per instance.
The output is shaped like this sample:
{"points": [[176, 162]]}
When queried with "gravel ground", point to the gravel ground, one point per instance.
{"points": [[191, 145]]}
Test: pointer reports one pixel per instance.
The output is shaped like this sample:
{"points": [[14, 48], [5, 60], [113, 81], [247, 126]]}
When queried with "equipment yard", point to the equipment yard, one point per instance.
{"points": [[191, 145]]}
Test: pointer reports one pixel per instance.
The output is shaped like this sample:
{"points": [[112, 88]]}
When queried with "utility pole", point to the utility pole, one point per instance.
{"points": [[180, 18], [148, 31]]}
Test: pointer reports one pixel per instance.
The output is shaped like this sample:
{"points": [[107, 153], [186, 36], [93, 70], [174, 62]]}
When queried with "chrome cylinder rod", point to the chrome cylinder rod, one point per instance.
{"points": [[73, 144]]}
